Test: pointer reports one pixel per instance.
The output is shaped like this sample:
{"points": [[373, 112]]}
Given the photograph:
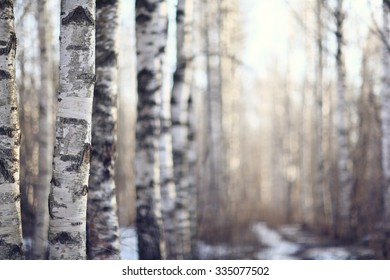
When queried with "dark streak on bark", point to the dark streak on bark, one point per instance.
{"points": [[145, 4], [5, 130], [5, 173], [66, 238], [11, 251], [79, 15], [77, 48], [108, 58], [74, 121], [5, 75], [89, 78], [10, 45], [103, 3], [142, 18], [6, 4]]}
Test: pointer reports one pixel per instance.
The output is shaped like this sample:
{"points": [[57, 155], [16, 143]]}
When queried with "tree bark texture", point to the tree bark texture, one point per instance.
{"points": [[343, 160], [180, 126], [102, 219], [11, 244], [71, 161], [151, 32], [385, 108], [46, 133]]}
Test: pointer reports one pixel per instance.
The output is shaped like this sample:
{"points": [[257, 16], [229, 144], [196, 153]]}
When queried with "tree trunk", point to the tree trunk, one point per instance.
{"points": [[71, 161], [151, 33], [102, 219], [385, 108], [180, 121], [11, 244], [343, 160], [46, 133]]}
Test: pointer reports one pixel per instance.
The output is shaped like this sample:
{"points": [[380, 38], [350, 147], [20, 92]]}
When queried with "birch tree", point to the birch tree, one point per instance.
{"points": [[151, 32], [343, 160], [11, 246], [71, 160], [180, 126], [103, 226], [46, 132], [385, 107]]}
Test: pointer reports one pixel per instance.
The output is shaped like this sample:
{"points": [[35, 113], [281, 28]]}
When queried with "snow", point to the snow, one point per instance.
{"points": [[277, 247], [128, 242]]}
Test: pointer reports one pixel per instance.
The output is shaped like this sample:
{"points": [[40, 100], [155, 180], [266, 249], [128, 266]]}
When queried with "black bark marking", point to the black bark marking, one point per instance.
{"points": [[145, 4], [11, 251], [103, 3], [5, 130], [6, 173], [5, 75], [142, 18], [86, 154], [76, 224], [77, 48], [179, 15], [55, 182], [10, 45], [9, 197], [82, 192], [145, 77], [107, 58], [74, 121], [79, 15], [6, 4], [89, 78], [64, 237]]}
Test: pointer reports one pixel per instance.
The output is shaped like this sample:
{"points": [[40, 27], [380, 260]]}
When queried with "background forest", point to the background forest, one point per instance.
{"points": [[195, 129]]}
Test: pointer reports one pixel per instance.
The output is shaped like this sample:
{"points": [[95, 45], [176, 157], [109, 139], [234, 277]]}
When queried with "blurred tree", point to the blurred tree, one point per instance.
{"points": [[46, 131], [102, 219], [151, 33]]}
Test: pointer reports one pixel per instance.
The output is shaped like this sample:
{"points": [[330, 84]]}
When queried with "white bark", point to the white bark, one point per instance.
{"points": [[11, 246], [385, 107], [180, 126], [46, 133], [343, 160], [103, 226], [71, 161], [151, 32]]}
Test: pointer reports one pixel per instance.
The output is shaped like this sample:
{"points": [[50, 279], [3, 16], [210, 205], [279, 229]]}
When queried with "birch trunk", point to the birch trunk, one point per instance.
{"points": [[46, 133], [71, 161], [214, 158], [230, 95], [343, 160], [151, 33], [11, 244], [102, 219], [180, 122], [385, 108]]}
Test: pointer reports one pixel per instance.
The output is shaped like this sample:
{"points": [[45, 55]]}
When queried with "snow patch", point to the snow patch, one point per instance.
{"points": [[277, 247], [129, 244]]}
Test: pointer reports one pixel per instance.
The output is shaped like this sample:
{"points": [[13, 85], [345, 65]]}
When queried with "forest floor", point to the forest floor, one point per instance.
{"points": [[286, 242]]}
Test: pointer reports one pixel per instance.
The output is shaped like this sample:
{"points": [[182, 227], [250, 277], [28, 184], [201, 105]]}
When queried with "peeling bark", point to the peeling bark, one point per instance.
{"points": [[11, 244], [71, 160], [102, 219]]}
